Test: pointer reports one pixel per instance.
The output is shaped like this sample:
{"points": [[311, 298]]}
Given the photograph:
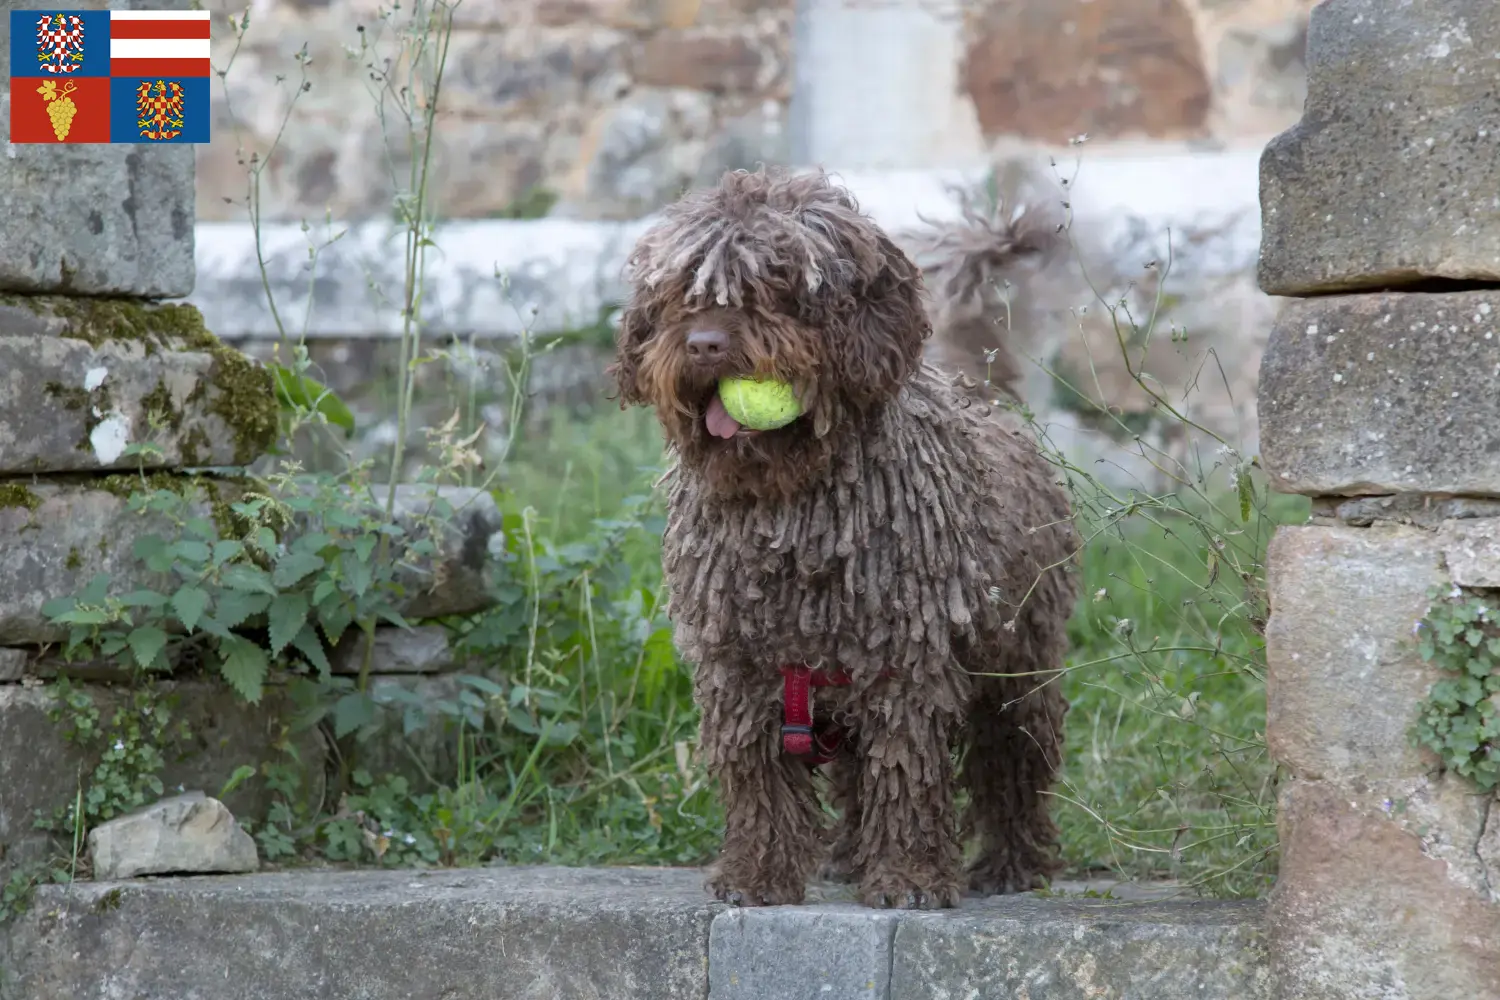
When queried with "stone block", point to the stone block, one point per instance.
{"points": [[1343, 675], [420, 650], [492, 934], [1420, 509], [13, 664], [95, 219], [80, 378], [58, 537], [1363, 908], [1383, 393], [1472, 551], [1021, 946], [1390, 177], [828, 952], [39, 768], [184, 834], [421, 745]]}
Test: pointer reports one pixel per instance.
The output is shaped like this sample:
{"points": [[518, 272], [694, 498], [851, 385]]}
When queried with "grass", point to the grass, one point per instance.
{"points": [[1166, 773]]}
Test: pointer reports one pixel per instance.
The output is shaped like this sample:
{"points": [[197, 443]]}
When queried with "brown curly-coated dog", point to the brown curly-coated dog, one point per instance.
{"points": [[873, 561]]}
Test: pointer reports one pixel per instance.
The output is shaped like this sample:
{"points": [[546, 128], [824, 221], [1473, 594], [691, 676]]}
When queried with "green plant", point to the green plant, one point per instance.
{"points": [[130, 744], [246, 592], [1459, 720]]}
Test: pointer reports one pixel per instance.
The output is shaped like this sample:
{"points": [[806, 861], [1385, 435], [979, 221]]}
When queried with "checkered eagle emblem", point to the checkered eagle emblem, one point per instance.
{"points": [[159, 109], [59, 43]]}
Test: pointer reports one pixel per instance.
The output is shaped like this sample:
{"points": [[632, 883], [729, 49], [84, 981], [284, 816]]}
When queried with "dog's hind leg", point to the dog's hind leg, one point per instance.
{"points": [[773, 827], [1015, 736], [908, 855]]}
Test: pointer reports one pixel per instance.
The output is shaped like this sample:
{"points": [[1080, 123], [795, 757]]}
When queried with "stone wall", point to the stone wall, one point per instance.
{"points": [[1382, 405], [108, 393], [612, 106]]}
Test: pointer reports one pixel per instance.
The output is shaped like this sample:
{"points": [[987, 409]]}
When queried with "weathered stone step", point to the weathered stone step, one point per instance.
{"points": [[614, 934], [81, 381]]}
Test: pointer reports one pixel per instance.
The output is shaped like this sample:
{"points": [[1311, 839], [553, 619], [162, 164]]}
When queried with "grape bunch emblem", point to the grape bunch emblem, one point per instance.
{"points": [[60, 107]]}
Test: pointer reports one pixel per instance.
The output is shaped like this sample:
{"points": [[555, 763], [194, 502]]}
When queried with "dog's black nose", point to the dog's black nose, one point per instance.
{"points": [[707, 346]]}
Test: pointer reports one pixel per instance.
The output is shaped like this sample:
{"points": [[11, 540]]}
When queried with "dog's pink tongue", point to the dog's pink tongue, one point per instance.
{"points": [[720, 424]]}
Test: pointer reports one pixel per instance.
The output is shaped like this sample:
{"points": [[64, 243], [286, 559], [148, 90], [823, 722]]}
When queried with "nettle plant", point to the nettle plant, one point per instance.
{"points": [[1460, 718], [271, 580]]}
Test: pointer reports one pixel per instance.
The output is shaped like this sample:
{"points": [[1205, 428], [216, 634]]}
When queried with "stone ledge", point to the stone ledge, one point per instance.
{"points": [[79, 386], [575, 934], [562, 272]]}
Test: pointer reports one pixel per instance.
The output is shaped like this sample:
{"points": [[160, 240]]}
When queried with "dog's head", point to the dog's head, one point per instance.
{"points": [[769, 274]]}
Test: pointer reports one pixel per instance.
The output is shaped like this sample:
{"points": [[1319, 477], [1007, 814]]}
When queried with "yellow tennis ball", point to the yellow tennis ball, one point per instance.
{"points": [[761, 405]]}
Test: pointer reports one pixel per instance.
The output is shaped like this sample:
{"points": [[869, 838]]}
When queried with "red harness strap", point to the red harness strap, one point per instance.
{"points": [[817, 744]]}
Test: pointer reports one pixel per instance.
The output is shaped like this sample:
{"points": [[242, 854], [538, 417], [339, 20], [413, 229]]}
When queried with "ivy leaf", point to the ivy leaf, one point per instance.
{"points": [[190, 603], [287, 615], [295, 567], [244, 667], [146, 643]]}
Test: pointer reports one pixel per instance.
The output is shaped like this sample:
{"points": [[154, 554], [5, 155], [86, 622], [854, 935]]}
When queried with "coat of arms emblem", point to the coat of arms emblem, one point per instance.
{"points": [[159, 109], [59, 43]]}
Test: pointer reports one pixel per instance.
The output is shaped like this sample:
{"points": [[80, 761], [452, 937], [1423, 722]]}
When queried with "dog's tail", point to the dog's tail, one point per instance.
{"points": [[972, 265]]}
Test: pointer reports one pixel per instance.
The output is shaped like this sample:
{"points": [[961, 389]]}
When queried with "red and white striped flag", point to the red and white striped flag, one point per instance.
{"points": [[159, 43]]}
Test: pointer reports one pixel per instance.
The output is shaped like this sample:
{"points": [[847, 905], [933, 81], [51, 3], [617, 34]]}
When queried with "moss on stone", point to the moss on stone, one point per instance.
{"points": [[155, 326], [75, 558], [17, 495], [245, 399], [244, 394], [159, 401]]}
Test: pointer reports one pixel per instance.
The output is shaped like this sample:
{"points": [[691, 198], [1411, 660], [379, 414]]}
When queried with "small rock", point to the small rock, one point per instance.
{"points": [[1472, 551], [189, 833], [13, 664], [420, 650]]}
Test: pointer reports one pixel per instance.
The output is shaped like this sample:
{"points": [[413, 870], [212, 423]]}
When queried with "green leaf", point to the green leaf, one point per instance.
{"points": [[295, 567], [335, 619], [307, 643], [234, 606], [143, 599], [58, 606], [298, 392], [202, 527], [244, 667], [352, 711], [241, 774], [190, 603], [247, 578], [287, 615], [358, 574], [146, 643], [227, 549], [192, 551]]}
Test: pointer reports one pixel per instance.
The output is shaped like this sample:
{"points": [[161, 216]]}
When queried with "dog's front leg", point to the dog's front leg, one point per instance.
{"points": [[908, 854], [772, 824]]}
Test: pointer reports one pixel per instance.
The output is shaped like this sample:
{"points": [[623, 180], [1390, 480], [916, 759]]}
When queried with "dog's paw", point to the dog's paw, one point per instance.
{"points": [[895, 892], [755, 893]]}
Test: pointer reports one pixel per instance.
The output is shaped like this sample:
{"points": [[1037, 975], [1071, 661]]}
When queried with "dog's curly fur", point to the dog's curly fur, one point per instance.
{"points": [[893, 532]]}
